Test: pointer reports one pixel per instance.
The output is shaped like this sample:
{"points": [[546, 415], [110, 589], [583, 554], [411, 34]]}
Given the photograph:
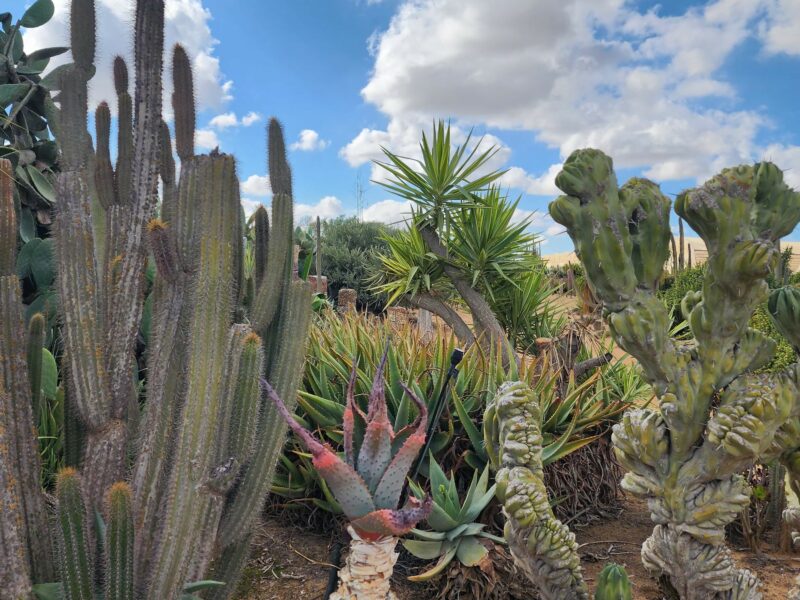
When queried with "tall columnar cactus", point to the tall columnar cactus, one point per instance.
{"points": [[180, 485], [542, 546], [716, 417], [368, 484]]}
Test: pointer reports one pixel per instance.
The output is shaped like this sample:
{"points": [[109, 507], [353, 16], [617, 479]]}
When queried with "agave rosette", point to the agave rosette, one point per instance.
{"points": [[368, 482]]}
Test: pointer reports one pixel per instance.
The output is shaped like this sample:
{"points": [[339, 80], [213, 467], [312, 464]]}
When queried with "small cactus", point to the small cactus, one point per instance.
{"points": [[613, 584]]}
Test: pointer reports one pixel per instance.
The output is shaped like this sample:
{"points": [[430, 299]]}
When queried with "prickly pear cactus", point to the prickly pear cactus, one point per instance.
{"points": [[715, 416], [613, 584], [542, 546]]}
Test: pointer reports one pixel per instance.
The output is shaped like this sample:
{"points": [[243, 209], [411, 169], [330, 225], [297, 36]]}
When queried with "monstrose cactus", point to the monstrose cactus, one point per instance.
{"points": [[716, 417], [368, 485], [169, 491]]}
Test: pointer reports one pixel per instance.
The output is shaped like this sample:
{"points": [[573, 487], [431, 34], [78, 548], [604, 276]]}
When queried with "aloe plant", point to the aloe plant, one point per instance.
{"points": [[454, 534], [368, 484]]}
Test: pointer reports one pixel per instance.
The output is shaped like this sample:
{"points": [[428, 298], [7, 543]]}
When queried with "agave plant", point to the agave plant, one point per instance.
{"points": [[455, 532], [368, 484]]}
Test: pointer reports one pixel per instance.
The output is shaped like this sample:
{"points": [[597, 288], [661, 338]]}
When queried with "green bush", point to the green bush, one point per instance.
{"points": [[674, 289], [350, 251], [784, 353]]}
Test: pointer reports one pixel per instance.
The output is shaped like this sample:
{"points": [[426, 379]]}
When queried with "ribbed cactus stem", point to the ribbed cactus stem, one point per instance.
{"points": [[34, 359], [183, 102], [162, 246], [167, 172], [82, 34], [24, 467], [261, 219], [543, 547], [281, 235], [103, 170], [76, 556], [245, 401], [287, 346], [195, 450], [119, 543], [15, 574], [124, 133]]}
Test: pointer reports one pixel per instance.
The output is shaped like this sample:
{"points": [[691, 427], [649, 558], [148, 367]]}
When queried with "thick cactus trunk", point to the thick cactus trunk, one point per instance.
{"points": [[367, 572]]}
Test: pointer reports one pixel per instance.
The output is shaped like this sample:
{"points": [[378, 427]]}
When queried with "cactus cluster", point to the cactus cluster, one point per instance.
{"points": [[368, 484], [715, 416], [169, 491]]}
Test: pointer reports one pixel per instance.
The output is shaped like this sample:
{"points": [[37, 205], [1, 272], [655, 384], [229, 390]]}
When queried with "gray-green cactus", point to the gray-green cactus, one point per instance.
{"points": [[542, 546], [180, 485], [715, 417]]}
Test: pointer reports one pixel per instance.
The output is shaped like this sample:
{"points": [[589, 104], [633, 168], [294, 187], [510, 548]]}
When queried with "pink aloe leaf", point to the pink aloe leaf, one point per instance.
{"points": [[347, 486], [387, 522], [375, 453], [388, 491], [348, 420]]}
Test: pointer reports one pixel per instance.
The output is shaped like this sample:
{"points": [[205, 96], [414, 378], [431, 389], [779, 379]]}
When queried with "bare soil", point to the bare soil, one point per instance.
{"points": [[290, 562]]}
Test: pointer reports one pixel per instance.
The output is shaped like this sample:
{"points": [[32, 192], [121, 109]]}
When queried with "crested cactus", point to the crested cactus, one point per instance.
{"points": [[542, 546], [715, 417], [180, 485], [368, 484]]}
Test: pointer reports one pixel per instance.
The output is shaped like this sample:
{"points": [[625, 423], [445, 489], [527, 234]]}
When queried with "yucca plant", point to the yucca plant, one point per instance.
{"points": [[368, 483], [455, 532]]}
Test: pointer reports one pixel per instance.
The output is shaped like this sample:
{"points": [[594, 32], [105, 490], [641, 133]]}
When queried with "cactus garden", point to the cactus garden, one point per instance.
{"points": [[206, 396]]}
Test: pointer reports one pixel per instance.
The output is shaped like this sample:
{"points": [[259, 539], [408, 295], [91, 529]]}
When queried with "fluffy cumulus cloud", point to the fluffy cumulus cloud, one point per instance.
{"points": [[643, 86], [229, 119], [391, 212], [308, 141], [249, 205], [328, 207], [186, 21], [256, 185], [206, 139]]}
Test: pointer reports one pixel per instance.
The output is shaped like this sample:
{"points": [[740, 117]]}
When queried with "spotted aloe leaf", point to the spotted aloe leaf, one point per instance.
{"points": [[387, 493], [347, 486], [348, 419], [375, 453], [398, 522]]}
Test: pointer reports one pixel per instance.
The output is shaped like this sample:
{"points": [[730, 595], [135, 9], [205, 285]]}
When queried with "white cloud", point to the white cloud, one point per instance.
{"points": [[576, 73], [388, 211], [257, 185], [544, 185], [206, 139], [224, 121], [229, 119], [250, 206], [186, 21], [780, 30], [309, 140], [328, 207], [250, 118]]}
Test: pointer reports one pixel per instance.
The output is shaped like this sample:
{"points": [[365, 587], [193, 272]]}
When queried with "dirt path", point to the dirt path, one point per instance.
{"points": [[291, 564]]}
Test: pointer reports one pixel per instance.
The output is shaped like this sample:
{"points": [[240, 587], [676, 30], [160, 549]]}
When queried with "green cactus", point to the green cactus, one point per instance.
{"points": [[715, 417], [368, 484], [180, 486], [613, 584], [542, 546]]}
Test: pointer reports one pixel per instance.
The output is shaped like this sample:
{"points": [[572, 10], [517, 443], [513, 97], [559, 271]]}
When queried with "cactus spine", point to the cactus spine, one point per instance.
{"points": [[207, 447], [684, 457], [542, 546]]}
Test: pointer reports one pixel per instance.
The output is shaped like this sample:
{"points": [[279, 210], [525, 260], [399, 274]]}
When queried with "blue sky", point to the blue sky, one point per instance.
{"points": [[673, 91]]}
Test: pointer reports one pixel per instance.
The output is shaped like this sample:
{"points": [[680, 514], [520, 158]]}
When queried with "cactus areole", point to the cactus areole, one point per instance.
{"points": [[715, 416], [368, 484]]}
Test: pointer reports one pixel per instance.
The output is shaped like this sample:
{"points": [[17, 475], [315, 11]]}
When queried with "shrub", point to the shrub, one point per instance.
{"points": [[349, 256]]}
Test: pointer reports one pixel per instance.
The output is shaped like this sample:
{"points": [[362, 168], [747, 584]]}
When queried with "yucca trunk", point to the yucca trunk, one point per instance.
{"points": [[367, 574]]}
